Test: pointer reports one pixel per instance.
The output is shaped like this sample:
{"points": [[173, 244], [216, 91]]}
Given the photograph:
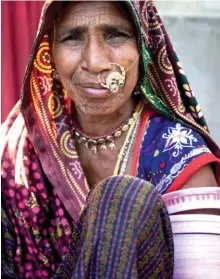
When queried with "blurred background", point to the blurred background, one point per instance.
{"points": [[194, 28], [19, 22]]}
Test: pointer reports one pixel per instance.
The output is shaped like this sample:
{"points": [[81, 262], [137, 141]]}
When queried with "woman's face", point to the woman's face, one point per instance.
{"points": [[88, 37]]}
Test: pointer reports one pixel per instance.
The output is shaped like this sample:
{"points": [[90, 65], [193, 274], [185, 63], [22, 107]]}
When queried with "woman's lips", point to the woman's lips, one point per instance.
{"points": [[94, 90]]}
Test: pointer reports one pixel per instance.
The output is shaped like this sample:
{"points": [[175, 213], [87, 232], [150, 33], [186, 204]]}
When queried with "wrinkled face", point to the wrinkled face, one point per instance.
{"points": [[88, 38]]}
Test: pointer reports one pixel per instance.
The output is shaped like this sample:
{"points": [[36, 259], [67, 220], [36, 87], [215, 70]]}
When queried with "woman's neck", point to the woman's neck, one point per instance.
{"points": [[102, 124]]}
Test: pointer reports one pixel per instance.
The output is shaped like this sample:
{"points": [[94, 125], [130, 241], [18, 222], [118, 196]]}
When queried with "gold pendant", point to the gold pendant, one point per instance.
{"points": [[117, 134], [112, 146], [94, 148], [86, 144], [103, 147]]}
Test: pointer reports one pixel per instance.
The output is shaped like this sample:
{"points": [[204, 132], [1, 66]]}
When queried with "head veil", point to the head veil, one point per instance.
{"points": [[45, 107]]}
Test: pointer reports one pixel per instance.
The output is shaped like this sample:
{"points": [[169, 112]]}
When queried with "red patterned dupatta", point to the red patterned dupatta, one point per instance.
{"points": [[48, 122], [45, 109]]}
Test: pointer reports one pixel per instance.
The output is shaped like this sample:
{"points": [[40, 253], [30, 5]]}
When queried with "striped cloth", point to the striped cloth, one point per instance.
{"points": [[124, 232]]}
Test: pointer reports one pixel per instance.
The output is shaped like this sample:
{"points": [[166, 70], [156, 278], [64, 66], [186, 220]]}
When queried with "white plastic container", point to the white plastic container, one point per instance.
{"points": [[196, 236]]}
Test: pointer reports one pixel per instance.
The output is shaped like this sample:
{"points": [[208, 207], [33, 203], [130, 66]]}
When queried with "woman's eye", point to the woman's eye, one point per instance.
{"points": [[117, 38], [73, 38], [117, 35]]}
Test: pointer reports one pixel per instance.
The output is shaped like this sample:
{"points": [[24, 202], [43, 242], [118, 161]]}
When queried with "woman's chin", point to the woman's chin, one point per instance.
{"points": [[97, 108], [95, 101]]}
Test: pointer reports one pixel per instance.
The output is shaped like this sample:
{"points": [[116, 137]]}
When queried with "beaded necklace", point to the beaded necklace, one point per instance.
{"points": [[106, 141]]}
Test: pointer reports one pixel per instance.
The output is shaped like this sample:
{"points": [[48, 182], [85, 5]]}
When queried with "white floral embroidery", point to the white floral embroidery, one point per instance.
{"points": [[177, 138], [176, 169]]}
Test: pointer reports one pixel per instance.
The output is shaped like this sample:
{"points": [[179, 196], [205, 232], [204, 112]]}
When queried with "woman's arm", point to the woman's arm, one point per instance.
{"points": [[204, 177]]}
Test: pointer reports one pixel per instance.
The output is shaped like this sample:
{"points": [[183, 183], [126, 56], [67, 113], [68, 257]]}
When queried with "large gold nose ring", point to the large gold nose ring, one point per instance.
{"points": [[114, 80]]}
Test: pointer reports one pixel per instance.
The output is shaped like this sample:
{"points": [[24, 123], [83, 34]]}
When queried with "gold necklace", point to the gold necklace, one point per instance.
{"points": [[106, 141]]}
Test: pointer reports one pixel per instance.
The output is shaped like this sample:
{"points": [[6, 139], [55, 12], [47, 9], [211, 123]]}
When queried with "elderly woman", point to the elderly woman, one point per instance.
{"points": [[105, 111]]}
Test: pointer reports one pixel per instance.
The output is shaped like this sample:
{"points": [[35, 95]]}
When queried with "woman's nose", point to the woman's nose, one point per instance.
{"points": [[95, 56]]}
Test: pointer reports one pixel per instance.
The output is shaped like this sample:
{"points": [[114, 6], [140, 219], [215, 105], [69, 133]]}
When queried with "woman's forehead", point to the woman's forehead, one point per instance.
{"points": [[94, 13]]}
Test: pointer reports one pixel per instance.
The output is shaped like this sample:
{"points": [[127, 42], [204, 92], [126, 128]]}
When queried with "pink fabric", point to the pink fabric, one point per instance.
{"points": [[19, 25]]}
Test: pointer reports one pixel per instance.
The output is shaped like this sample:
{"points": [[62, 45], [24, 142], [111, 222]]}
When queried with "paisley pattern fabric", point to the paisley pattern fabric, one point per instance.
{"points": [[44, 188]]}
